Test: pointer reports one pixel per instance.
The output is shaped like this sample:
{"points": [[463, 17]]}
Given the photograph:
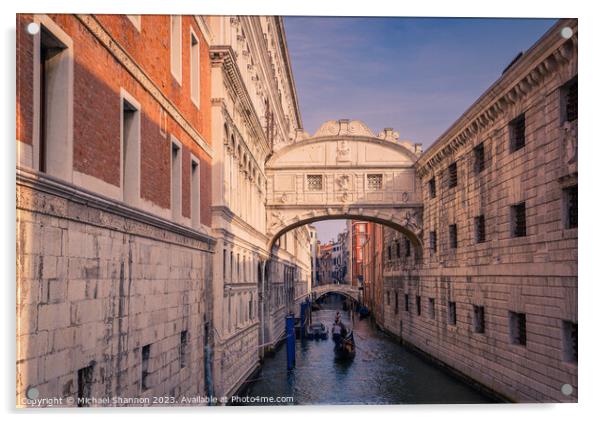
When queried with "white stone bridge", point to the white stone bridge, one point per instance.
{"points": [[345, 172], [348, 290]]}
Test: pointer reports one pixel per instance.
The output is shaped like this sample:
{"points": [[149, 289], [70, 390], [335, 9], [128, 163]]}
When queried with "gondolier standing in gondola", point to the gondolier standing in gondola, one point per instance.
{"points": [[337, 329]]}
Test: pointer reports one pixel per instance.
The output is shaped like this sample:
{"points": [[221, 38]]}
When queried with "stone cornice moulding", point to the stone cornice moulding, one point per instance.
{"points": [[269, 75], [330, 138], [223, 55], [541, 60], [289, 71], [121, 55], [27, 178]]}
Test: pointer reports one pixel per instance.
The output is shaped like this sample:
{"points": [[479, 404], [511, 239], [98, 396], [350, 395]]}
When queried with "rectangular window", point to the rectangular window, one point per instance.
{"points": [[406, 299], [84, 385], [375, 181], [388, 299], [451, 313], [518, 215], [433, 242], [478, 319], [431, 308], [408, 247], [517, 133], [54, 72], [195, 193], [195, 63], [183, 348], [569, 93], [479, 226], [130, 149], [518, 328], [136, 21], [176, 47], [176, 181], [479, 158], [570, 207], [432, 188], [145, 367], [389, 256], [398, 249], [251, 308], [453, 236], [453, 175], [396, 303], [314, 182], [569, 341], [418, 306]]}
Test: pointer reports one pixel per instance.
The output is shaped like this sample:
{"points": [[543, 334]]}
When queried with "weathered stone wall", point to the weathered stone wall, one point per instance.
{"points": [[96, 282], [534, 274]]}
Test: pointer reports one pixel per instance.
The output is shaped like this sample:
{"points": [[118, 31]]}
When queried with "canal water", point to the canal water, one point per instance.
{"points": [[383, 372]]}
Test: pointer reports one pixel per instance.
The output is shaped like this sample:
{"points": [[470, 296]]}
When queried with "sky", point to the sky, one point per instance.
{"points": [[416, 75]]}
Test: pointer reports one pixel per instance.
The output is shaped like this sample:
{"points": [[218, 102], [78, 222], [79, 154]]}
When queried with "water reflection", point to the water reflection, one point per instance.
{"points": [[383, 372]]}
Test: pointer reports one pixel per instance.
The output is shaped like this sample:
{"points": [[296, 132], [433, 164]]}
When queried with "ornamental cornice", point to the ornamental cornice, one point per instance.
{"points": [[224, 56], [548, 55], [138, 73]]}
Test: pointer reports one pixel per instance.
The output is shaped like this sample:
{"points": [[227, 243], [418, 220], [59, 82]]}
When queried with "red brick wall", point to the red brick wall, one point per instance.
{"points": [[98, 77]]}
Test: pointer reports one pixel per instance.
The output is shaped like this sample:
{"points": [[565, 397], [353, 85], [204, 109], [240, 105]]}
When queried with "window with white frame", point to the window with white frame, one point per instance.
{"points": [[195, 192], [130, 149], [176, 47], [53, 90], [176, 180], [195, 57]]}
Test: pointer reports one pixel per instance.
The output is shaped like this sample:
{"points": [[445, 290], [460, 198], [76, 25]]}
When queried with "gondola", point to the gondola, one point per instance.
{"points": [[316, 331], [345, 348]]}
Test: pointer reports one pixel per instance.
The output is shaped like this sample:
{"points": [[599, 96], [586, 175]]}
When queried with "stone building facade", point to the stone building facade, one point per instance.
{"points": [[254, 112], [114, 249], [495, 294]]}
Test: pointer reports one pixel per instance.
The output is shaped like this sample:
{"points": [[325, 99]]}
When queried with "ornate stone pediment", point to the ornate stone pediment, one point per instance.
{"points": [[343, 127]]}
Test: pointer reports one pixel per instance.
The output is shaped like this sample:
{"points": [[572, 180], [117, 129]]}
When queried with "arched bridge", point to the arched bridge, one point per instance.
{"points": [[345, 172], [345, 289]]}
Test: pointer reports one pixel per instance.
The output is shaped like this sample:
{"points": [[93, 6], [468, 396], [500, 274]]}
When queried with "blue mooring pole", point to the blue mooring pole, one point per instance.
{"points": [[290, 342], [303, 312]]}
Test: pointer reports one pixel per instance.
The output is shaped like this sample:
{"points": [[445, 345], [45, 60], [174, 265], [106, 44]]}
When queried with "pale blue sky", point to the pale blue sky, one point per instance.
{"points": [[417, 75]]}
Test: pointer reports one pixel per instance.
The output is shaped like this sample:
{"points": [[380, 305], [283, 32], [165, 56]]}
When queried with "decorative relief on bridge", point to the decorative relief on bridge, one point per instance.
{"points": [[344, 171]]}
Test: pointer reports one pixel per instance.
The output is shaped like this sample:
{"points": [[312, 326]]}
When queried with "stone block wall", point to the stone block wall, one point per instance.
{"points": [[96, 283], [532, 275]]}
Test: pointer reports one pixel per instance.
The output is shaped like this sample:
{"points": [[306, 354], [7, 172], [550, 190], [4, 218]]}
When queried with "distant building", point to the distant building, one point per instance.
{"points": [[313, 236], [357, 238]]}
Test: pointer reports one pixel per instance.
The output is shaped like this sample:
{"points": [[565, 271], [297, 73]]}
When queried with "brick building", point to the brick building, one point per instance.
{"points": [[113, 212], [372, 263], [357, 237], [494, 295]]}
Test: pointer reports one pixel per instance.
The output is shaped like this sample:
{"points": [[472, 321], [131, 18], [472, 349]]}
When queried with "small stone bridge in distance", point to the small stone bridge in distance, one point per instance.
{"points": [[348, 290]]}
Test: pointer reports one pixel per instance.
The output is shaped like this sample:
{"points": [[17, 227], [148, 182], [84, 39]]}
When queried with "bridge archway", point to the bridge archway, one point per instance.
{"points": [[347, 290], [345, 171]]}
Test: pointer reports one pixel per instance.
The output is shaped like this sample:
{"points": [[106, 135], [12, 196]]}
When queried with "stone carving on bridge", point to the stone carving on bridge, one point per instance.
{"points": [[343, 182], [412, 221], [343, 127], [343, 151]]}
